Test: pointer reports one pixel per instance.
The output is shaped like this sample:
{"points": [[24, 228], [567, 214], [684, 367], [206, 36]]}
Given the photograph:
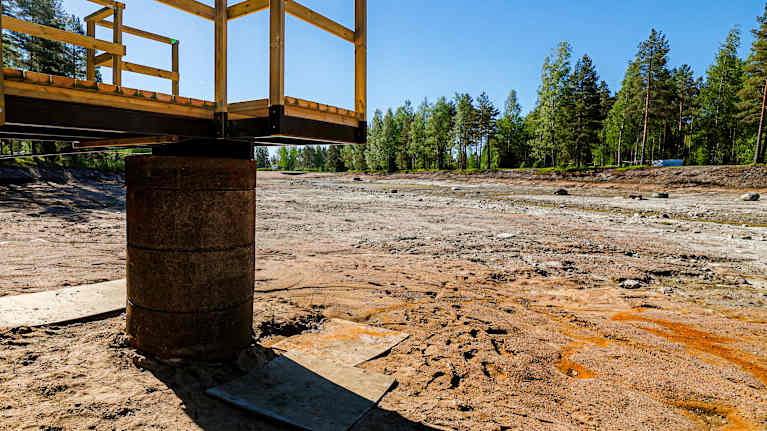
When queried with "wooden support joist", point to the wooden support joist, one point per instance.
{"points": [[128, 142], [102, 59], [50, 33], [277, 52], [117, 37], [144, 70], [246, 8], [252, 108], [138, 32], [99, 14], [174, 66], [305, 14], [109, 3], [191, 6], [90, 54]]}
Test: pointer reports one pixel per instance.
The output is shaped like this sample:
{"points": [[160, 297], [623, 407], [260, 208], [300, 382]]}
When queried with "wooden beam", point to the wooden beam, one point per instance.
{"points": [[276, 52], [175, 67], [246, 7], [48, 92], [138, 32], [304, 13], [50, 33], [128, 142], [360, 58], [252, 108], [2, 75], [146, 70], [117, 37], [99, 14], [102, 59], [220, 55], [314, 114], [90, 65], [191, 6], [109, 3]]}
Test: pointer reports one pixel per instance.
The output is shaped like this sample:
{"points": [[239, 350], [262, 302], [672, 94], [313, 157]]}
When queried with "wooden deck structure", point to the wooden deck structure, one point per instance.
{"points": [[96, 115]]}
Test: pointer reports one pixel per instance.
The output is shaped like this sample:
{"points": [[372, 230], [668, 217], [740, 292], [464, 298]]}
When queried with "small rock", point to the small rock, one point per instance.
{"points": [[394, 191], [750, 197], [456, 189], [357, 179], [667, 290], [746, 237], [660, 195], [505, 235], [637, 197], [561, 192], [630, 284], [665, 216]]}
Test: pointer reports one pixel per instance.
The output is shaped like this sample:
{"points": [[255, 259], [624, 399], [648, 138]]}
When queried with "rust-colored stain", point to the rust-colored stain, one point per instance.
{"points": [[713, 416], [699, 340], [570, 368]]}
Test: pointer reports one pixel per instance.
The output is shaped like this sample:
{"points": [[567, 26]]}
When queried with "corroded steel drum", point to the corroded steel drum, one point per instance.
{"points": [[191, 255]]}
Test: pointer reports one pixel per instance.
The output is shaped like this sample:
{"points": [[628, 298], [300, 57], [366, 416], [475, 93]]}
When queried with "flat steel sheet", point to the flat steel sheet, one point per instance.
{"points": [[307, 392], [63, 305], [344, 342]]}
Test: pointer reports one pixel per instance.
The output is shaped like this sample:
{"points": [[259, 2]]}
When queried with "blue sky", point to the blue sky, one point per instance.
{"points": [[427, 48]]}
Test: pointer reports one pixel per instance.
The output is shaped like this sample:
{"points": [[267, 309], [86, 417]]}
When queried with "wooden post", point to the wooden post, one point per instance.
{"points": [[90, 67], [220, 74], [117, 37], [276, 52], [174, 55], [2, 77], [360, 58]]}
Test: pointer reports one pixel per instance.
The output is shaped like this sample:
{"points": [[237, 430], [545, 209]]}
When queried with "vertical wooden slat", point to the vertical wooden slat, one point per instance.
{"points": [[90, 67], [220, 74], [117, 37], [2, 76], [276, 52], [360, 58], [174, 54]]}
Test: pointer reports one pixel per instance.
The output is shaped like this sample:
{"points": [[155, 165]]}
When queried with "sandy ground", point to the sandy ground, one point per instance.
{"points": [[526, 310]]}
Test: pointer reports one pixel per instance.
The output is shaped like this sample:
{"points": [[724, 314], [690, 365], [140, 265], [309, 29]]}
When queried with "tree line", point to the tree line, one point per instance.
{"points": [[659, 112]]}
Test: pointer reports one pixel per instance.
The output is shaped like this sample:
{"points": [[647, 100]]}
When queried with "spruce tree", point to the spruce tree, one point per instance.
{"points": [[487, 127], [586, 121], [751, 95]]}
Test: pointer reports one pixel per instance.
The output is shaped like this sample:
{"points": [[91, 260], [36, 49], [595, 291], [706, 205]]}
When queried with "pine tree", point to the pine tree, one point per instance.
{"points": [[262, 157], [511, 136], [551, 96], [585, 119], [652, 60], [755, 85], [417, 140], [487, 127], [439, 128], [464, 126], [334, 162]]}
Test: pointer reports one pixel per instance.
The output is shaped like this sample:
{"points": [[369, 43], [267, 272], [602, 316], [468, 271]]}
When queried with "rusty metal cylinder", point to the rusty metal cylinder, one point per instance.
{"points": [[191, 255]]}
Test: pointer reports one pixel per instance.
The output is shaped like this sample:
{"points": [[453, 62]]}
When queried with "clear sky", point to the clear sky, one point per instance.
{"points": [[428, 48]]}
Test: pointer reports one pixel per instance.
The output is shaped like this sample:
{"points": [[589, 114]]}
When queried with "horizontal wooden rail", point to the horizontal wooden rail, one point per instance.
{"points": [[100, 59], [191, 6], [50, 33], [144, 70], [254, 108], [109, 3], [246, 8], [100, 14], [139, 32], [305, 14], [128, 142]]}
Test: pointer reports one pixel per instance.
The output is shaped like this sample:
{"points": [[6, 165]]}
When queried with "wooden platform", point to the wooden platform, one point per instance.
{"points": [[48, 107]]}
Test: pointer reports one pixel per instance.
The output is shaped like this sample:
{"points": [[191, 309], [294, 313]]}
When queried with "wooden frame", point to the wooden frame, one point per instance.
{"points": [[50, 33]]}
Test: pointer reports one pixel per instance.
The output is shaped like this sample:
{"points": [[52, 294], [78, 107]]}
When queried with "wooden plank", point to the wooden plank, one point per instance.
{"points": [[99, 14], [246, 7], [26, 89], [102, 60], [220, 55], [276, 52], [175, 67], [128, 142], [109, 3], [304, 13], [117, 37], [50, 33], [360, 58], [307, 392], [138, 32], [2, 74], [191, 6], [90, 65], [252, 108], [328, 117], [146, 70]]}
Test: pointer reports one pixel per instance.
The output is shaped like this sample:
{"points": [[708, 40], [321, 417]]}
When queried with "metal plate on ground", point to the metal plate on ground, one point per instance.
{"points": [[307, 392], [344, 342], [63, 305]]}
